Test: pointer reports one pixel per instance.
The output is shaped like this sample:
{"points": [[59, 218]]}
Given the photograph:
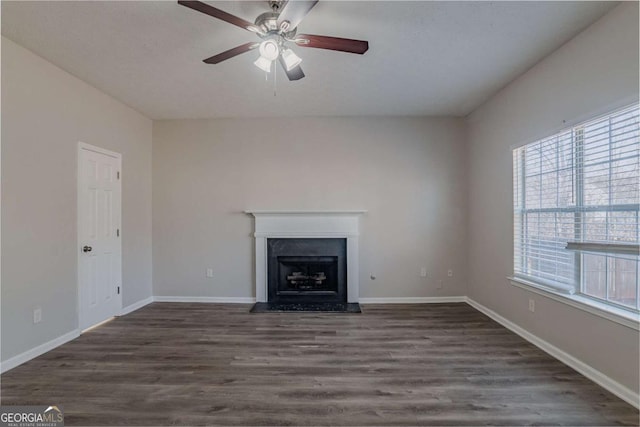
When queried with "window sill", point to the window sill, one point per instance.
{"points": [[617, 315]]}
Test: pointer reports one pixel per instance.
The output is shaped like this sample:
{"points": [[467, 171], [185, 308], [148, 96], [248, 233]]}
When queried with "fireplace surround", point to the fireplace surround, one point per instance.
{"points": [[338, 225], [306, 271]]}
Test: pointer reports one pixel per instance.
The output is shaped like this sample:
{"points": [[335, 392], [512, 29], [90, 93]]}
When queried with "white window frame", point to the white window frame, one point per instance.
{"points": [[567, 293]]}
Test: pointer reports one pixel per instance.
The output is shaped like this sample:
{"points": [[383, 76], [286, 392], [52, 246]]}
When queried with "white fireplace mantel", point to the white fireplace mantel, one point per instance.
{"points": [[303, 225]]}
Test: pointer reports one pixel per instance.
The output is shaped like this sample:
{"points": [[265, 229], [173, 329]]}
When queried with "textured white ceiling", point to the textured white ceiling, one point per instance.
{"points": [[425, 58]]}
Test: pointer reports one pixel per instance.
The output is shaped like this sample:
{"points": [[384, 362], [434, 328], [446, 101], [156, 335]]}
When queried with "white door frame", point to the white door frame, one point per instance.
{"points": [[118, 157]]}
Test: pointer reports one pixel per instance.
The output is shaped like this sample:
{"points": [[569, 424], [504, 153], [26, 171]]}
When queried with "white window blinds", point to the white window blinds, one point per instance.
{"points": [[580, 186]]}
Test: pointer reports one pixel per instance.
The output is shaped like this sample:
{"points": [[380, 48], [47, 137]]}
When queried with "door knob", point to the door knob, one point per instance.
{"points": [[87, 249]]}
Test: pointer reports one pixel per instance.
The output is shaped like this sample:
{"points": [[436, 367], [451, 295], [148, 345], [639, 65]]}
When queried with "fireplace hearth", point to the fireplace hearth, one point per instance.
{"points": [[329, 307]]}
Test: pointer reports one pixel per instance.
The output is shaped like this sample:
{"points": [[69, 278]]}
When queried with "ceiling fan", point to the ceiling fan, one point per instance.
{"points": [[277, 29]]}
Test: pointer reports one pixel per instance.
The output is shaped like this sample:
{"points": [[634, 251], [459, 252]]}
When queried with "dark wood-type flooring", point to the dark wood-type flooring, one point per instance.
{"points": [[205, 364]]}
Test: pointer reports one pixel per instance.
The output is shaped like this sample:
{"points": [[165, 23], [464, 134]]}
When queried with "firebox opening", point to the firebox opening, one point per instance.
{"points": [[307, 271], [307, 274]]}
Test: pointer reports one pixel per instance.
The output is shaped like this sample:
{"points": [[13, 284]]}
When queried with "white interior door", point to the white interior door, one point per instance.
{"points": [[100, 259]]}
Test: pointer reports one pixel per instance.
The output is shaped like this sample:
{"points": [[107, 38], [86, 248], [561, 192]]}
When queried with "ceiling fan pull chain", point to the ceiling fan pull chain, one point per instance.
{"points": [[275, 74]]}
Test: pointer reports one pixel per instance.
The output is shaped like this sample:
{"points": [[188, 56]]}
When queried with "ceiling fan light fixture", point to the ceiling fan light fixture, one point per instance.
{"points": [[291, 60], [269, 49], [264, 64]]}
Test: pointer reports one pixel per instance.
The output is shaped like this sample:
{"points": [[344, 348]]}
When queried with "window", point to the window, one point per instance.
{"points": [[576, 207]]}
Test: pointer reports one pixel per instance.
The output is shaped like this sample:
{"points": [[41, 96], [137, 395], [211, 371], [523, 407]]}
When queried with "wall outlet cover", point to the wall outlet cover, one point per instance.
{"points": [[37, 315]]}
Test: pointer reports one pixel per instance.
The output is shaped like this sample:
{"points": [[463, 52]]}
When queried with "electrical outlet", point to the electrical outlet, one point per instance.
{"points": [[209, 272], [423, 272], [37, 315], [532, 305], [449, 273]]}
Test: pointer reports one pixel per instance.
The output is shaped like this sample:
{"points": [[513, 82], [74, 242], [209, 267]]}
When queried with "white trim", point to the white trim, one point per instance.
{"points": [[37, 351], [412, 300], [136, 306], [593, 374], [605, 311], [89, 147], [294, 212], [250, 300], [228, 300], [306, 235]]}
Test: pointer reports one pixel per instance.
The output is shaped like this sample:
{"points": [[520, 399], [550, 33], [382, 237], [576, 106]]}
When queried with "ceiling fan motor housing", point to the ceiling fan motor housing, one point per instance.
{"points": [[268, 22]]}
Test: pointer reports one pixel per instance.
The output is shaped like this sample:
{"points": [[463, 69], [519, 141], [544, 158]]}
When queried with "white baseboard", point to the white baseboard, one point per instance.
{"points": [[37, 351], [136, 306], [250, 300], [56, 342], [593, 374], [228, 300], [412, 300]]}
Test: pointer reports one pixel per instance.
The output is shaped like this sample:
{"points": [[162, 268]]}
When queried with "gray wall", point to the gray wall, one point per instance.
{"points": [[594, 72], [407, 172], [45, 112]]}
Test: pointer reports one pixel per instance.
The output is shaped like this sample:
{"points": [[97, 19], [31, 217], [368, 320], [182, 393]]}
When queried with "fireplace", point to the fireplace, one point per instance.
{"points": [[312, 270], [314, 227]]}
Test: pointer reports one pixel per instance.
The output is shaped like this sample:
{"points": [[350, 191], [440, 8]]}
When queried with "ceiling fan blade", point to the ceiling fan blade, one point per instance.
{"points": [[294, 11], [220, 14], [332, 43], [216, 59], [295, 73]]}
